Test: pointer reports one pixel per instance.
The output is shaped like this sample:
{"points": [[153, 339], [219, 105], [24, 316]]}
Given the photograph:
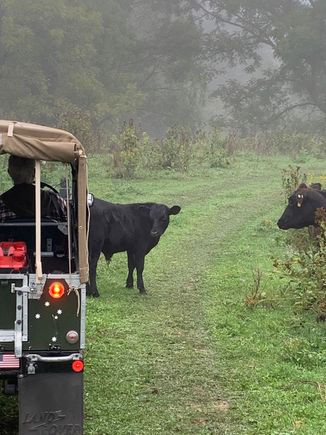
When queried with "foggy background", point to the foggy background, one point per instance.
{"points": [[90, 65]]}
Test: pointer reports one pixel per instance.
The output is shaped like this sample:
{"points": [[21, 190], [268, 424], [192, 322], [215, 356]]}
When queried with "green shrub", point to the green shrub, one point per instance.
{"points": [[292, 177], [150, 155], [305, 270], [299, 146], [125, 150], [132, 151], [176, 150], [218, 150]]}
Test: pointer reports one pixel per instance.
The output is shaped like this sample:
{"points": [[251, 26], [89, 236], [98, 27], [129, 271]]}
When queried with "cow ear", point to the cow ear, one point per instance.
{"points": [[316, 186], [303, 186], [175, 209]]}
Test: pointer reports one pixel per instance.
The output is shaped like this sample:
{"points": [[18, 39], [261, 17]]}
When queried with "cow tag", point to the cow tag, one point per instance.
{"points": [[300, 200]]}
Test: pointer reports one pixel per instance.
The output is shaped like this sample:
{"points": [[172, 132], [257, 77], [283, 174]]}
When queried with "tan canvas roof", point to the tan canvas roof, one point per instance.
{"points": [[38, 142], [46, 143]]}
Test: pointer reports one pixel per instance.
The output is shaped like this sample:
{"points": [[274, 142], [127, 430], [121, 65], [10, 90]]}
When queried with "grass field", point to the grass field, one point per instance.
{"points": [[201, 353], [192, 357]]}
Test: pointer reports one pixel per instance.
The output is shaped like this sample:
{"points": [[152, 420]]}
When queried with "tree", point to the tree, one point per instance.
{"points": [[45, 59], [100, 60], [293, 31], [167, 63]]}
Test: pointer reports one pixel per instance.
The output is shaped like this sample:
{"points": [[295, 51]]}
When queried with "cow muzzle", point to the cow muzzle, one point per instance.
{"points": [[282, 224]]}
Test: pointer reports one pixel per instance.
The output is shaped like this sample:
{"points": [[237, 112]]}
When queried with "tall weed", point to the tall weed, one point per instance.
{"points": [[176, 150], [292, 177], [218, 150], [125, 149], [305, 270]]}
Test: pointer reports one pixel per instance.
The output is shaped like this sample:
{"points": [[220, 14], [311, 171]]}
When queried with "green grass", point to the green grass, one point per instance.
{"points": [[197, 355], [192, 357]]}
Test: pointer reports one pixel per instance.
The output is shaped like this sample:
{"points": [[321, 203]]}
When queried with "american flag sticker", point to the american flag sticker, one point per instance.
{"points": [[8, 361]]}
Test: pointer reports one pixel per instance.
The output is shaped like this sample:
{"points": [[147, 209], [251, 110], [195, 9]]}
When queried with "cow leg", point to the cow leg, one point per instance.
{"points": [[131, 268], [91, 288], [140, 262]]}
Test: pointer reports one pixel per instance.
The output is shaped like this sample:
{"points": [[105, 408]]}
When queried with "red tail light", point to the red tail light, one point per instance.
{"points": [[78, 366], [56, 290]]}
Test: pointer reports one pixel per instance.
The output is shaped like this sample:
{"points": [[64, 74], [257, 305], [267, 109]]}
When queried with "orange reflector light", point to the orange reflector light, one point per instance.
{"points": [[78, 366], [56, 290]]}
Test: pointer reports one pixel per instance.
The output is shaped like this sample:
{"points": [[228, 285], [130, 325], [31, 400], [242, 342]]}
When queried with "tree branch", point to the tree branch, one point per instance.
{"points": [[149, 75], [255, 32], [289, 108]]}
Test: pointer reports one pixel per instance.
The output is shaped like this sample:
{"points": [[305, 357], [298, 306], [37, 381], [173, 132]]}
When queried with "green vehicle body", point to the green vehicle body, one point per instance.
{"points": [[42, 337]]}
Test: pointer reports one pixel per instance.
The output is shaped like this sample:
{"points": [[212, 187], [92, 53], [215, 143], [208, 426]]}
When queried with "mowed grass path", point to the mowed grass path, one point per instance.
{"points": [[177, 361]]}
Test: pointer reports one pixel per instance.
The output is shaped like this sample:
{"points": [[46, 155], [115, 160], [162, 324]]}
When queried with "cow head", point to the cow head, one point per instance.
{"points": [[301, 208], [159, 215]]}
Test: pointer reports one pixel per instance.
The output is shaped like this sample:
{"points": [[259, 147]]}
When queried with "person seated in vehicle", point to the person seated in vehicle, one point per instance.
{"points": [[19, 201]]}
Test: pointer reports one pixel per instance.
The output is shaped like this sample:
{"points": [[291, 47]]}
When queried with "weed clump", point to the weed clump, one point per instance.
{"points": [[292, 177], [218, 153], [256, 295], [176, 150], [305, 270], [303, 352], [132, 152], [125, 151]]}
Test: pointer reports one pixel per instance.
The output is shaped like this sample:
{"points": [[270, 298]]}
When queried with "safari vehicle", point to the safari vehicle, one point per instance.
{"points": [[43, 271]]}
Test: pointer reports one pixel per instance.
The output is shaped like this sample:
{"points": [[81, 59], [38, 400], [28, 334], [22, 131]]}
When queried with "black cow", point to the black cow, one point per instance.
{"points": [[301, 209], [135, 228]]}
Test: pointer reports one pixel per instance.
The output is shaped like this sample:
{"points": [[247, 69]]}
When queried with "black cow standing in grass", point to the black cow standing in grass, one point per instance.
{"points": [[302, 206], [135, 228]]}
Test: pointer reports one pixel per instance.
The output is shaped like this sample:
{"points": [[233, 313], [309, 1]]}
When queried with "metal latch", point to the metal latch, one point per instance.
{"points": [[23, 289], [21, 322]]}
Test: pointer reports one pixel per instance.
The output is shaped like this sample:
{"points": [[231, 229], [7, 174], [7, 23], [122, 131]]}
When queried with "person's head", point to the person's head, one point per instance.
{"points": [[21, 170]]}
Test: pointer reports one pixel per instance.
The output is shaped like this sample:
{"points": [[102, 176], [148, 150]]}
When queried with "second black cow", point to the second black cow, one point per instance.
{"points": [[134, 228], [301, 209]]}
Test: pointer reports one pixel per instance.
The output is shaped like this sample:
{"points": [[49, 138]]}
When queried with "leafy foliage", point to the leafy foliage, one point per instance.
{"points": [[176, 150], [291, 34], [218, 150], [256, 296], [132, 151], [107, 60], [305, 265], [292, 177], [126, 151], [79, 123]]}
